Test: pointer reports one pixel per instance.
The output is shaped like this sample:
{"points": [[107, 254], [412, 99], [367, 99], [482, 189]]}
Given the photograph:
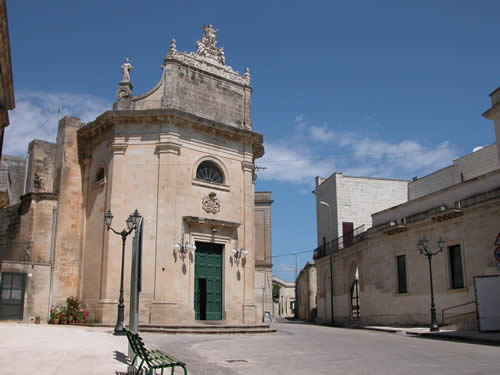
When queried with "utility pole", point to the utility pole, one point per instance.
{"points": [[295, 253]]}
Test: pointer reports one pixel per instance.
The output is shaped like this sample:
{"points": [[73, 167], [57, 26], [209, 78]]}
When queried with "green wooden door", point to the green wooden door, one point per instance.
{"points": [[208, 281], [12, 295]]}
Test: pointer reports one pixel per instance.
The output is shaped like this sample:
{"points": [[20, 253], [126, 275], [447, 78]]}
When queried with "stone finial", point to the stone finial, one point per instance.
{"points": [[247, 74], [173, 47], [126, 68]]}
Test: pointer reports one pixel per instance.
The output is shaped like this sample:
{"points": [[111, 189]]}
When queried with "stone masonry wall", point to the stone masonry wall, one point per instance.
{"points": [[465, 168], [478, 163], [207, 96], [41, 165], [433, 182], [68, 185], [12, 178], [354, 199]]}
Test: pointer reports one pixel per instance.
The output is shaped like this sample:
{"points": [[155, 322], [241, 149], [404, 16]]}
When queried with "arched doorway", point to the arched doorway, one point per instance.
{"points": [[355, 303]]}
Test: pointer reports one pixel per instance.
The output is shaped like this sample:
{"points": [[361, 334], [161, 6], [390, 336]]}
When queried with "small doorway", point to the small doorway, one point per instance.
{"points": [[355, 298], [12, 289], [208, 281]]}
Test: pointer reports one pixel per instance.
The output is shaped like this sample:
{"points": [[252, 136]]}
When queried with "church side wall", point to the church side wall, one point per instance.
{"points": [[96, 193]]}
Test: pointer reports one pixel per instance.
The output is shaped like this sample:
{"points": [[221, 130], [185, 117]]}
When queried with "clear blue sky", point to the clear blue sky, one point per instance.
{"points": [[371, 88]]}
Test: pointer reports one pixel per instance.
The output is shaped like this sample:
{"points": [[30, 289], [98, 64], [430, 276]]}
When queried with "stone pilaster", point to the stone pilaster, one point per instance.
{"points": [[167, 270], [112, 257], [249, 308]]}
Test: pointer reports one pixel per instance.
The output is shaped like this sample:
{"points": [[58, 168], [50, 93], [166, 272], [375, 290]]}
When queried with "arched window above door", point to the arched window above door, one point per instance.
{"points": [[209, 172]]}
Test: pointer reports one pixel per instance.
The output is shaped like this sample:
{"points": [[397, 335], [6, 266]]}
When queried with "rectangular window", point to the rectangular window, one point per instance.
{"points": [[401, 262], [456, 271]]}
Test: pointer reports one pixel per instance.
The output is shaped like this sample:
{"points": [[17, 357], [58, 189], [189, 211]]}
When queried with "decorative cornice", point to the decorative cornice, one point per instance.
{"points": [[212, 222], [207, 65], [395, 228], [247, 166], [118, 148], [111, 118], [447, 214], [168, 148]]}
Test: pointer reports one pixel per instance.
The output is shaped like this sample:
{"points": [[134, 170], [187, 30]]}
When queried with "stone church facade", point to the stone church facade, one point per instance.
{"points": [[183, 154]]}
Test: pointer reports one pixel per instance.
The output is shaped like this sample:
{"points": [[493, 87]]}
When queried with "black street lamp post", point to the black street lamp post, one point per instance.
{"points": [[422, 247], [132, 222]]}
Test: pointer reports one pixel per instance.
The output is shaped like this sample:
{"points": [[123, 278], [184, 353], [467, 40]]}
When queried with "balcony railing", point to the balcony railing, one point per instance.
{"points": [[340, 243]]}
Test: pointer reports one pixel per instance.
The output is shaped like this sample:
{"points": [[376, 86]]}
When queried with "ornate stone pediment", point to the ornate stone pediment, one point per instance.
{"points": [[208, 57]]}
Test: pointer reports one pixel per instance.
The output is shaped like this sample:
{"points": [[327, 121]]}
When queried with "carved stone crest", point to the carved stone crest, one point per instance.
{"points": [[208, 57], [207, 46], [211, 203]]}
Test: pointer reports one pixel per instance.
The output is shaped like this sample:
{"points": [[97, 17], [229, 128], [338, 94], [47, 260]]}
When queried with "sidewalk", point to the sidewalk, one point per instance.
{"points": [[56, 350], [475, 337]]}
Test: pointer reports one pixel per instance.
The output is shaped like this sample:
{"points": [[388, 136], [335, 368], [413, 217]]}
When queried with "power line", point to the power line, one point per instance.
{"points": [[292, 253]]}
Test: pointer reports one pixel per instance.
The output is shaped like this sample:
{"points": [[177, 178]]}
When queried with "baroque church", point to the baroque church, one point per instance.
{"points": [[183, 155]]}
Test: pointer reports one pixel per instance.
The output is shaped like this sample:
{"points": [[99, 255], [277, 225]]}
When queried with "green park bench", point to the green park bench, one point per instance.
{"points": [[153, 359]]}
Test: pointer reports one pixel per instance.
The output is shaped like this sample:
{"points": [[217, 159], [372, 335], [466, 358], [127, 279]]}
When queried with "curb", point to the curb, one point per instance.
{"points": [[438, 336]]}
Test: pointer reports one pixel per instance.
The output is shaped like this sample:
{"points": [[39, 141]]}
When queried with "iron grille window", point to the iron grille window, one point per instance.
{"points": [[207, 171], [401, 261], [456, 270]]}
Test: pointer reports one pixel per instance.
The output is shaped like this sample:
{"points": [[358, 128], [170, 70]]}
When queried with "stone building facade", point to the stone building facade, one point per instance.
{"points": [[263, 255], [184, 155], [306, 293], [381, 278], [284, 303]]}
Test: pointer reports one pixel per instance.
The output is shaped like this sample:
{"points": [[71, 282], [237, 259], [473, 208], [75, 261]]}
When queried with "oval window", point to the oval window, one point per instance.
{"points": [[207, 171]]}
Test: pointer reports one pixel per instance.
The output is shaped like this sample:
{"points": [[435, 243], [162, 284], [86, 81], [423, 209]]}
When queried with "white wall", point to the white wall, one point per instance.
{"points": [[354, 199], [465, 168], [446, 197]]}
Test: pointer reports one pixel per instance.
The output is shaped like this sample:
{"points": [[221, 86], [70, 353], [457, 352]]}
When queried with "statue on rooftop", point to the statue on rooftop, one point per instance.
{"points": [[126, 68]]}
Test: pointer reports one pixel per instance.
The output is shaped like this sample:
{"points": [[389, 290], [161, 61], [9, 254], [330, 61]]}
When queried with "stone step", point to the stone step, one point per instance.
{"points": [[202, 326], [207, 330]]}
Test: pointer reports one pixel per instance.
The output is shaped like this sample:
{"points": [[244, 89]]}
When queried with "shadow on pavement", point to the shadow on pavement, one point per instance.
{"points": [[120, 357]]}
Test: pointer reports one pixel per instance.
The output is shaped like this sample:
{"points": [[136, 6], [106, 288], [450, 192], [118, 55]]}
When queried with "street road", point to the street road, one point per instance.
{"points": [[299, 348]]}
